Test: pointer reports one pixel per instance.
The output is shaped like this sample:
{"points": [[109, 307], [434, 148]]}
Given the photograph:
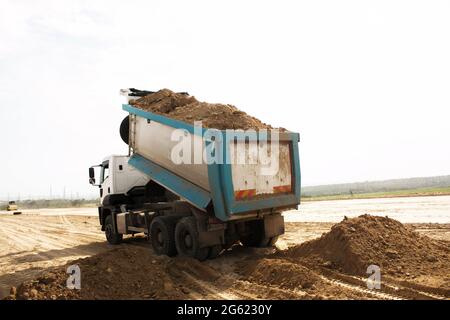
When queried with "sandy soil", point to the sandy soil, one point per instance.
{"points": [[36, 247], [30, 244]]}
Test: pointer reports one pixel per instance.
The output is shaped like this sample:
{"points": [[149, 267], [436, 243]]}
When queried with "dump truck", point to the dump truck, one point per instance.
{"points": [[195, 209]]}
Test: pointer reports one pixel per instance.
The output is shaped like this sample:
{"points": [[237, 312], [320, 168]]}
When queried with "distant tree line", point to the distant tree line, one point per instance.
{"points": [[377, 186], [54, 203]]}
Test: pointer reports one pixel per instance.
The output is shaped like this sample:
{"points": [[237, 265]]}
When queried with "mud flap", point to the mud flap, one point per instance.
{"points": [[273, 225]]}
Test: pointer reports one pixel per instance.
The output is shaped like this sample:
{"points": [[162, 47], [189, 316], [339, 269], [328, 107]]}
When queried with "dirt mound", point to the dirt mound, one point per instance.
{"points": [[123, 273], [279, 272], [286, 275], [186, 108], [354, 244]]}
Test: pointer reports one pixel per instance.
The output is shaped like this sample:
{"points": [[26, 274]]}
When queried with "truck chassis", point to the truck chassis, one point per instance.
{"points": [[176, 227]]}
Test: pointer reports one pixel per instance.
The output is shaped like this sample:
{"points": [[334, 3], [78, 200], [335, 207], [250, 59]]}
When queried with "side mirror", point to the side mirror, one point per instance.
{"points": [[92, 176], [91, 173]]}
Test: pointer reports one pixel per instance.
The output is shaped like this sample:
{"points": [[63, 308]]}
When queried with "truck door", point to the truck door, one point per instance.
{"points": [[105, 180]]}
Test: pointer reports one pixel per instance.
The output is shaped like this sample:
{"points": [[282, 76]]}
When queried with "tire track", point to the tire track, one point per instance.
{"points": [[388, 289], [54, 236], [208, 288], [231, 288], [45, 242], [368, 292]]}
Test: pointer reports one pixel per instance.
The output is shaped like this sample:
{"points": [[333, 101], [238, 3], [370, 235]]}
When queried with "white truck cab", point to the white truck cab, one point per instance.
{"points": [[116, 176]]}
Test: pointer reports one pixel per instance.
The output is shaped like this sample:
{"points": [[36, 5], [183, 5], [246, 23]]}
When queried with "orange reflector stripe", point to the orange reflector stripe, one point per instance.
{"points": [[282, 189], [244, 194]]}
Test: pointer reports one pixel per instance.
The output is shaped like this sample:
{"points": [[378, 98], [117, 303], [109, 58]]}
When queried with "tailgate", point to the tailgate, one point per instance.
{"points": [[260, 174]]}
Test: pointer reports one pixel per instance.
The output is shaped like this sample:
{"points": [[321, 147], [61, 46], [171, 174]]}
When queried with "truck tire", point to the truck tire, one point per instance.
{"points": [[162, 236], [187, 239], [255, 241], [256, 237], [258, 242], [111, 234]]}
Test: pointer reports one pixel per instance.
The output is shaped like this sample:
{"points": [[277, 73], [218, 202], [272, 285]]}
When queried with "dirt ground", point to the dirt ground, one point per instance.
{"points": [[30, 244], [34, 250]]}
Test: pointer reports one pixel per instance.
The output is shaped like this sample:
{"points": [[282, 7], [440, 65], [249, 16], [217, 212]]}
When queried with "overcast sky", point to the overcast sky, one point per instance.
{"points": [[366, 83]]}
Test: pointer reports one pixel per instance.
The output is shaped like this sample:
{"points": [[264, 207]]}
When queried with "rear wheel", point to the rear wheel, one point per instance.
{"points": [[187, 239], [256, 237], [111, 234], [162, 236]]}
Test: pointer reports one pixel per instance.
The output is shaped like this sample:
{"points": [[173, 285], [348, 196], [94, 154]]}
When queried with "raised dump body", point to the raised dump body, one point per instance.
{"points": [[256, 172], [196, 191]]}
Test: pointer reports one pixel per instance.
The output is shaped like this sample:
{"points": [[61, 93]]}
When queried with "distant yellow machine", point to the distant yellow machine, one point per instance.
{"points": [[12, 206]]}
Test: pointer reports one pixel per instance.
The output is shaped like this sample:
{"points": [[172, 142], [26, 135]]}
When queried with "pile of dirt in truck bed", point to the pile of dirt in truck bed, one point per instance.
{"points": [[187, 108], [354, 244], [123, 273]]}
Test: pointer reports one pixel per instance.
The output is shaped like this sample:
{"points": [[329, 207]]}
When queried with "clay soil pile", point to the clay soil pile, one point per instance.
{"points": [[183, 107], [354, 244], [123, 273], [288, 275], [279, 272]]}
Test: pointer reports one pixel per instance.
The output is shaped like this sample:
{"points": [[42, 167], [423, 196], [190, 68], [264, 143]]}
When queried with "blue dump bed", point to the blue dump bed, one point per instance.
{"points": [[232, 189]]}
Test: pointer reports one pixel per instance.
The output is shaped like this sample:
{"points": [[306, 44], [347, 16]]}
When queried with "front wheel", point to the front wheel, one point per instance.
{"points": [[111, 234]]}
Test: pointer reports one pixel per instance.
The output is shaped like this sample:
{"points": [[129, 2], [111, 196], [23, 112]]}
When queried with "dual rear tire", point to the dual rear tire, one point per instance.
{"points": [[162, 230], [169, 237], [256, 236], [187, 239], [258, 242]]}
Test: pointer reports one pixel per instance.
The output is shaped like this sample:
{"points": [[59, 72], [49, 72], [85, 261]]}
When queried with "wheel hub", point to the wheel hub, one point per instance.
{"points": [[160, 238], [188, 241], [108, 231]]}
